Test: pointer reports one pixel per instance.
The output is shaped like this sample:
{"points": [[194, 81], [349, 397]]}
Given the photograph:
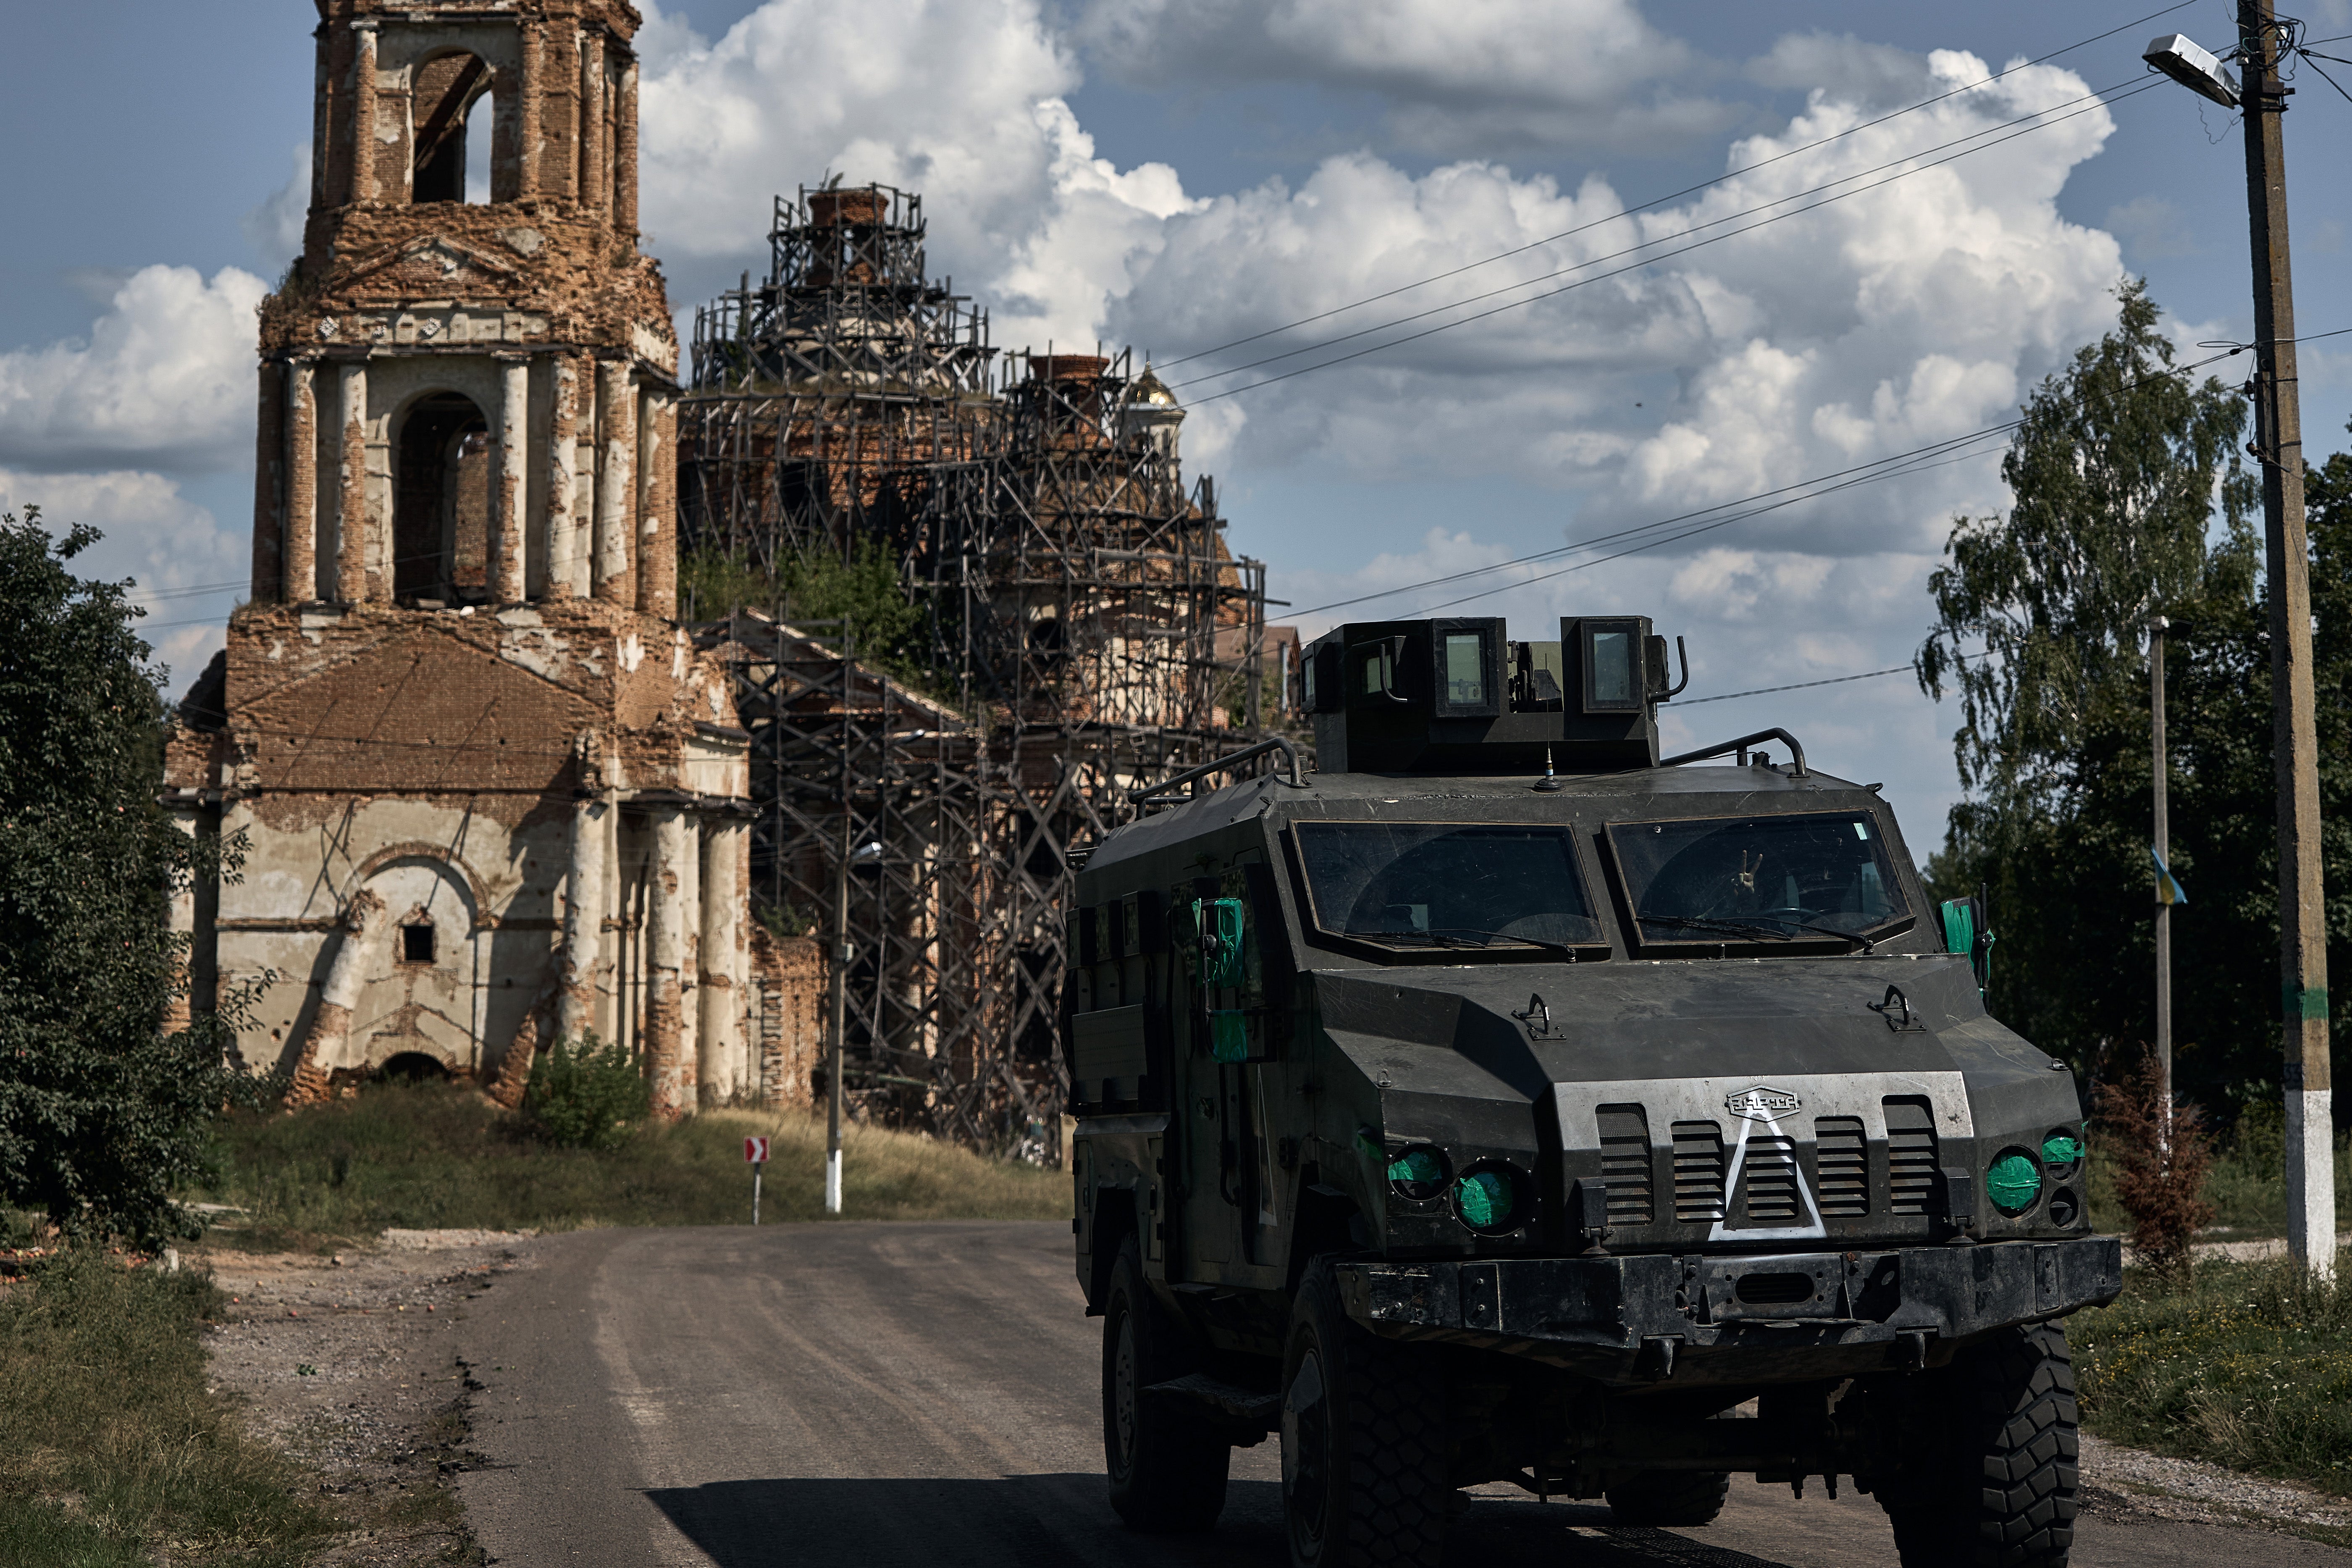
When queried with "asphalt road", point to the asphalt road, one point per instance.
{"points": [[925, 1394]]}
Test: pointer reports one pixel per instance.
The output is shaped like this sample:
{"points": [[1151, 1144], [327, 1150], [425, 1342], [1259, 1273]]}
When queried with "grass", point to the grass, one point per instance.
{"points": [[112, 1452], [2243, 1364], [433, 1156]]}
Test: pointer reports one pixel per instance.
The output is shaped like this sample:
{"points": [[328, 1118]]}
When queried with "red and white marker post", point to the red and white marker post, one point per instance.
{"points": [[755, 1151]]}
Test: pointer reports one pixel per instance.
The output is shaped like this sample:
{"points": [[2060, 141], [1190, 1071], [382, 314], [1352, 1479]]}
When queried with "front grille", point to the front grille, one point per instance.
{"points": [[1842, 1158], [1771, 1171], [1698, 1172], [1910, 1154], [1625, 1164]]}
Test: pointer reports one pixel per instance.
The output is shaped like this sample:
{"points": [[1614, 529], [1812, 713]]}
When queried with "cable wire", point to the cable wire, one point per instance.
{"points": [[1666, 238], [1677, 195], [1637, 266]]}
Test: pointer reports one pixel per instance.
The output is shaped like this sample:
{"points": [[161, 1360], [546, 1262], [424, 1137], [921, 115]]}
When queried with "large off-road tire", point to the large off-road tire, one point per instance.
{"points": [[2001, 1493], [1668, 1498], [1364, 1471], [1167, 1468]]}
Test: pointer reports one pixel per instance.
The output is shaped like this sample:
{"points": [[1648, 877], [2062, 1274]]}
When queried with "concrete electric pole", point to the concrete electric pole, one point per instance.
{"points": [[2157, 627], [2278, 443]]}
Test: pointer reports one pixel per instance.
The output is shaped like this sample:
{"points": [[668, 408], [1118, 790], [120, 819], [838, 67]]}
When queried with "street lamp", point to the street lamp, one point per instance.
{"points": [[2179, 57], [2278, 443]]}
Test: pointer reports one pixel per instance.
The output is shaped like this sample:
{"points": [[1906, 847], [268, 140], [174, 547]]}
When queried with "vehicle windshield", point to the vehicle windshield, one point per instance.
{"points": [[1758, 879], [1449, 884]]}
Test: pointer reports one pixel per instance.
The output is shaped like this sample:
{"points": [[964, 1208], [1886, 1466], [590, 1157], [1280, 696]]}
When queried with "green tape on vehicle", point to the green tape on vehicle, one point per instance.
{"points": [[1229, 1035], [1484, 1199], [2061, 1149], [2013, 1182]]}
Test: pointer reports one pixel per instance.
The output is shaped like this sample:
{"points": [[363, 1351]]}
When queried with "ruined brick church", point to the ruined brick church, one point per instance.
{"points": [[490, 792]]}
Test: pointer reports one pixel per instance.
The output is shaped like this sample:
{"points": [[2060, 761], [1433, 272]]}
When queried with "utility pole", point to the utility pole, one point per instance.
{"points": [[835, 1050], [2278, 441], [2156, 630]]}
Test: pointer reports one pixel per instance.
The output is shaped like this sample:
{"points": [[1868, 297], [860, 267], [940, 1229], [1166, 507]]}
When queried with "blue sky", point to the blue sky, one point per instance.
{"points": [[1177, 175]]}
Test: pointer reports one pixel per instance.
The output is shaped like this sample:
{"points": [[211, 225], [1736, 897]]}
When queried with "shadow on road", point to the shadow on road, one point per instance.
{"points": [[1062, 1521]]}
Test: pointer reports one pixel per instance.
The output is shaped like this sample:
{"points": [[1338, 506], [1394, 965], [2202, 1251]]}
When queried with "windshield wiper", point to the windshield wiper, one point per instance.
{"points": [[1854, 936], [1736, 928], [1559, 947], [1444, 937]]}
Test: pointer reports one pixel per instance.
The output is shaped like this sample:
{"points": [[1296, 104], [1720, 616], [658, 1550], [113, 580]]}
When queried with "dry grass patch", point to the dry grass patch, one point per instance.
{"points": [[436, 1156]]}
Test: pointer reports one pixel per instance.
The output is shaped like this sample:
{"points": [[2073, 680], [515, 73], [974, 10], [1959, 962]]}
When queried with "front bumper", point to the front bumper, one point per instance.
{"points": [[1641, 1319]]}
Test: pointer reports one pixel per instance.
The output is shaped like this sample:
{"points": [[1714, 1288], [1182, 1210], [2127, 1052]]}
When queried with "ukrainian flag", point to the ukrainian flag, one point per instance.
{"points": [[2168, 890]]}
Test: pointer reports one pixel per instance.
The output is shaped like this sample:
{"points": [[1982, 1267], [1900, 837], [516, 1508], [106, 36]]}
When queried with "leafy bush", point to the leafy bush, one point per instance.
{"points": [[585, 1096], [102, 1112]]}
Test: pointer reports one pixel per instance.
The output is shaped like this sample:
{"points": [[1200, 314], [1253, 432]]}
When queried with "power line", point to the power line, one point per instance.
{"points": [[1677, 195], [1897, 163], [1650, 261], [1917, 460]]}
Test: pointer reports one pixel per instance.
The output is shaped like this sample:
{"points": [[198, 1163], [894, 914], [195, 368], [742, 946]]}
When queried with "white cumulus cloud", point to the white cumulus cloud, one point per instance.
{"points": [[164, 380], [1488, 76]]}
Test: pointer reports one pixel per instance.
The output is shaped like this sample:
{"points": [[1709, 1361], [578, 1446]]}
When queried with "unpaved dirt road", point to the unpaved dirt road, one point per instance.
{"points": [[925, 1394]]}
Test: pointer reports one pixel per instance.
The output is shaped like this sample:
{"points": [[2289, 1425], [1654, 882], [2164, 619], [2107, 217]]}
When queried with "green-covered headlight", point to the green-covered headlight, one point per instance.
{"points": [[2061, 1149], [1418, 1174], [1487, 1199], [2013, 1182]]}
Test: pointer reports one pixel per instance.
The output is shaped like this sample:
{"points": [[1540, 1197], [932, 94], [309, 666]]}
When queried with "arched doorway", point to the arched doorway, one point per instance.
{"points": [[441, 504], [449, 90], [413, 1068]]}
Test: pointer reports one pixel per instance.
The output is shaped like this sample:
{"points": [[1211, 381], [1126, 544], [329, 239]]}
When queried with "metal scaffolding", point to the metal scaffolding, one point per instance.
{"points": [[1086, 630]]}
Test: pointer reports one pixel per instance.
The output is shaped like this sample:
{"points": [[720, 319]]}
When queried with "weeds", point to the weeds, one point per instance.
{"points": [[438, 1155], [2243, 1364], [113, 1451], [2159, 1164]]}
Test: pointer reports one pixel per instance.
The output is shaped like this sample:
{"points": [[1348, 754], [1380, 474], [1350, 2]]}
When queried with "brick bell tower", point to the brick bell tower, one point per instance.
{"points": [[491, 794]]}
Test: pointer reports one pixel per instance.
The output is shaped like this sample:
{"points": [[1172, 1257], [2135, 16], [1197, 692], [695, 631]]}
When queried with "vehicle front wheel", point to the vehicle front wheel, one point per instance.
{"points": [[2002, 1493], [1364, 1478], [1167, 1469]]}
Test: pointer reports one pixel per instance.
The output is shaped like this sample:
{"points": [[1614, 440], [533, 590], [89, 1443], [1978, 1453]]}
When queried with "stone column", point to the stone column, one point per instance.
{"points": [[592, 121], [666, 959], [624, 152], [616, 413], [583, 918], [658, 504], [302, 482], [508, 584], [562, 112], [720, 999], [269, 487], [567, 552], [351, 495], [322, 120], [330, 1028], [181, 921], [527, 91], [363, 111]]}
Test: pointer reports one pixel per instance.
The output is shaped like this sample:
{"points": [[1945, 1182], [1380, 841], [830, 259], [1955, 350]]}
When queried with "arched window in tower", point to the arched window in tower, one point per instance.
{"points": [[453, 109], [441, 509]]}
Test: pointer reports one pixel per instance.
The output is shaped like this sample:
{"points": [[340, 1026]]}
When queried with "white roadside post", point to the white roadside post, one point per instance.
{"points": [[755, 1151]]}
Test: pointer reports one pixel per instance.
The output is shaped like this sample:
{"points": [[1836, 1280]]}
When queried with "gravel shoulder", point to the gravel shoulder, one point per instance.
{"points": [[349, 1363]]}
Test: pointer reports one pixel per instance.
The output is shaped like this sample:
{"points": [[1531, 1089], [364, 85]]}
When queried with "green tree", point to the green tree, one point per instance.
{"points": [[892, 628], [102, 1114], [2129, 498]]}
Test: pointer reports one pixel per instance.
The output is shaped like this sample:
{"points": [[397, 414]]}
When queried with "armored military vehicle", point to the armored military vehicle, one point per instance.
{"points": [[1504, 1103]]}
